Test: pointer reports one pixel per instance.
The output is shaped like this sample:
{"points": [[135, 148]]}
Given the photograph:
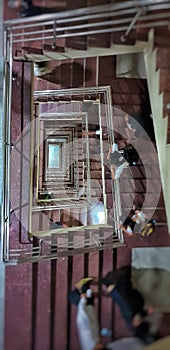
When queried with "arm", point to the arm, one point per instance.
{"points": [[83, 321], [110, 151], [112, 168], [124, 230]]}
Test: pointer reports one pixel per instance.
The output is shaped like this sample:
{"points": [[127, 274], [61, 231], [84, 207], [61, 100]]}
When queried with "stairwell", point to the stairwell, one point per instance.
{"points": [[40, 295], [55, 278]]}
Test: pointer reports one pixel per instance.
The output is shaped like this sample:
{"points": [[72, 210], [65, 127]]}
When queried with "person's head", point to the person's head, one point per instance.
{"points": [[85, 287]]}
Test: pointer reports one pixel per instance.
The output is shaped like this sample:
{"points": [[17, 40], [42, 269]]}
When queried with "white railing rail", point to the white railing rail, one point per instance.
{"points": [[90, 21]]}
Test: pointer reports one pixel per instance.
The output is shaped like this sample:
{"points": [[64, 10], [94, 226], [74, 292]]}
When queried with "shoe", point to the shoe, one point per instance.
{"points": [[31, 11], [123, 165], [120, 168]]}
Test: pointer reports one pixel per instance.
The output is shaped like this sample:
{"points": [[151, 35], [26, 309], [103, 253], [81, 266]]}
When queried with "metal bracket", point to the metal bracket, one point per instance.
{"points": [[141, 10]]}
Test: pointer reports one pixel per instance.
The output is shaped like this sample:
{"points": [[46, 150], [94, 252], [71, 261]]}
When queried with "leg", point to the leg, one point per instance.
{"points": [[113, 148], [110, 151], [119, 170], [124, 307], [113, 171]]}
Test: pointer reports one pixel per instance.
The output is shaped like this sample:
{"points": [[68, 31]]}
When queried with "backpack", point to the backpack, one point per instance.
{"points": [[148, 228], [130, 154]]}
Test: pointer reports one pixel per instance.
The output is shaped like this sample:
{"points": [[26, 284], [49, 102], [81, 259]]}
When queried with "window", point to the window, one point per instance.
{"points": [[54, 156]]}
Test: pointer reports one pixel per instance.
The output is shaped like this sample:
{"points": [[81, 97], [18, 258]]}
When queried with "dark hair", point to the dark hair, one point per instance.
{"points": [[138, 208], [85, 287], [129, 222]]}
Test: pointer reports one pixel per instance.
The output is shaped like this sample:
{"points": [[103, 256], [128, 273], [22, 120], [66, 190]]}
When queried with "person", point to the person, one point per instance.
{"points": [[127, 227], [27, 7], [80, 287], [87, 324], [137, 222], [138, 215], [117, 162], [130, 302], [134, 221], [86, 320]]}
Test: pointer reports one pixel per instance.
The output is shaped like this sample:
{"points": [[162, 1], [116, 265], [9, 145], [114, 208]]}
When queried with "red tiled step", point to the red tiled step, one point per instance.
{"points": [[163, 57], [164, 80]]}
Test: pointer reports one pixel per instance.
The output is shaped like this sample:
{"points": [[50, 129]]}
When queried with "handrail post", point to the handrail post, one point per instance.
{"points": [[132, 23], [2, 265]]}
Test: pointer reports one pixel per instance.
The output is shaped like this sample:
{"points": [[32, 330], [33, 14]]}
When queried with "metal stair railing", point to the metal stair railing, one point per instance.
{"points": [[16, 28], [7, 157], [129, 15], [27, 253], [115, 184]]}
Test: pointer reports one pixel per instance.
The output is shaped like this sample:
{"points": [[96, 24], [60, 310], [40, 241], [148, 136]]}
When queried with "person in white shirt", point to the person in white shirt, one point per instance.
{"points": [[87, 324], [88, 331]]}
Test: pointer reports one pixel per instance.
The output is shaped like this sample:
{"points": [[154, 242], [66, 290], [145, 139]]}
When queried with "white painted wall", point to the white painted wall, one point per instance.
{"points": [[160, 123]]}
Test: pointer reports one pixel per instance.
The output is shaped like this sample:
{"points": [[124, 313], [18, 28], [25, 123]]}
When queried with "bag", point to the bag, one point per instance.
{"points": [[130, 154], [74, 296], [148, 229]]}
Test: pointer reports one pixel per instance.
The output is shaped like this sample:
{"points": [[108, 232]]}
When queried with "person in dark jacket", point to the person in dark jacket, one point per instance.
{"points": [[130, 302]]}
